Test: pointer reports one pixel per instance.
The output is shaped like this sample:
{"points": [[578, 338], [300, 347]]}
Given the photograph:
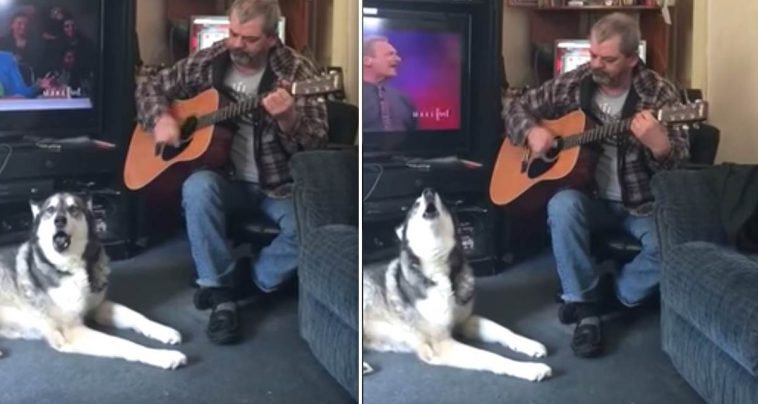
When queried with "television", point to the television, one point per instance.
{"points": [[51, 67], [423, 106], [205, 30], [572, 53]]}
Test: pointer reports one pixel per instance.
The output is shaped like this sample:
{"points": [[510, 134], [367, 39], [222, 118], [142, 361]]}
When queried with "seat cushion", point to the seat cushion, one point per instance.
{"points": [[715, 289], [328, 269]]}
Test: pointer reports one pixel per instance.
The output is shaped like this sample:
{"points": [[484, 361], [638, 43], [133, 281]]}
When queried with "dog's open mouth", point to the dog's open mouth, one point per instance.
{"points": [[431, 211], [61, 241]]}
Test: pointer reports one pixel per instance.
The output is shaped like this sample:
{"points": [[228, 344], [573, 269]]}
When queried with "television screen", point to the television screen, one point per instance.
{"points": [[49, 54], [205, 30], [413, 71], [416, 72], [572, 53]]}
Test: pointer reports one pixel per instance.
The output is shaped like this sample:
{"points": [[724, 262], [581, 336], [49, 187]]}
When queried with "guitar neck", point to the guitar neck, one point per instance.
{"points": [[228, 112], [596, 134]]}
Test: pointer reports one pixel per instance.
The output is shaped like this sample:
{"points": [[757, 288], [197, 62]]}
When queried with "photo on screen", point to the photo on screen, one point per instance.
{"points": [[49, 52], [413, 69]]}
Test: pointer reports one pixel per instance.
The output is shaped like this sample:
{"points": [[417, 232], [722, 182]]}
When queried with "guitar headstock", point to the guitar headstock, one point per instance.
{"points": [[684, 113], [324, 84]]}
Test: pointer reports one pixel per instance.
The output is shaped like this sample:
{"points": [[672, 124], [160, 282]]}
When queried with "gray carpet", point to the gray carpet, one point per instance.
{"points": [[272, 365], [635, 370]]}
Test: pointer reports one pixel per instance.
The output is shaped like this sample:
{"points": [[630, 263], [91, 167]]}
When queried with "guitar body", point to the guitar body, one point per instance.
{"points": [[208, 146], [526, 186]]}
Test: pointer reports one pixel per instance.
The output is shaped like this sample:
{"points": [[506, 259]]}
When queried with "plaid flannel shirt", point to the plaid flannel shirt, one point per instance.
{"points": [[206, 68], [574, 90]]}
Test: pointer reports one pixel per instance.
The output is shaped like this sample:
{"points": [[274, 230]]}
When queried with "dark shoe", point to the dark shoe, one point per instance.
{"points": [[570, 313], [223, 324], [587, 341]]}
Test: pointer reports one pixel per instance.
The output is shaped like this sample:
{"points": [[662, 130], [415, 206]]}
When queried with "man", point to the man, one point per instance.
{"points": [[250, 62], [13, 84], [27, 48], [612, 86], [384, 108]]}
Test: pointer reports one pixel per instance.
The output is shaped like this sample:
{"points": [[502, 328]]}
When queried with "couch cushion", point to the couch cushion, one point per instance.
{"points": [[716, 290], [328, 269]]}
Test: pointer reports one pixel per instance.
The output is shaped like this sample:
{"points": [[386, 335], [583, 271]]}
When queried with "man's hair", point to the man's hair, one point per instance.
{"points": [[246, 10], [621, 25], [368, 44]]}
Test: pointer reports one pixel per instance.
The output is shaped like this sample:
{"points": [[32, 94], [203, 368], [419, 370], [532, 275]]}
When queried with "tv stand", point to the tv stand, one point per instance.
{"points": [[55, 159]]}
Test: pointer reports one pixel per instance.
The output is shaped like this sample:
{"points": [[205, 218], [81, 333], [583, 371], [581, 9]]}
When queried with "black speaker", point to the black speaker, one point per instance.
{"points": [[477, 229]]}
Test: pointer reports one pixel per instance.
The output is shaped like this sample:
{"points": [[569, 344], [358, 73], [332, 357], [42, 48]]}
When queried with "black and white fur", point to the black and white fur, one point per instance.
{"points": [[59, 278], [425, 297]]}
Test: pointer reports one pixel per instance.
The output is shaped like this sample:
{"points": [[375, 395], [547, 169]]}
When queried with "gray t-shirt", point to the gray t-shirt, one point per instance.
{"points": [[243, 87], [608, 109]]}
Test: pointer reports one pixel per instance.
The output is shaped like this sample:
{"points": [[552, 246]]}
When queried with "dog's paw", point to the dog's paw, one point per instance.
{"points": [[531, 348], [166, 335], [534, 372], [166, 359]]}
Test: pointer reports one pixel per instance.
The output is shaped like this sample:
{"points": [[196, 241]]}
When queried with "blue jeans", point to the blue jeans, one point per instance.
{"points": [[207, 198], [572, 215]]}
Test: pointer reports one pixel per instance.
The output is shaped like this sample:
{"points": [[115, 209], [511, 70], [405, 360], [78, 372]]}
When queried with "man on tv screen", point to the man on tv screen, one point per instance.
{"points": [[12, 83], [385, 109]]}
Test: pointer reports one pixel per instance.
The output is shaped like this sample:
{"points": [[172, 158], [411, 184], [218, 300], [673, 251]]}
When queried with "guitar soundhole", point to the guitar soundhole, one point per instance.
{"points": [[541, 165], [186, 131], [538, 167]]}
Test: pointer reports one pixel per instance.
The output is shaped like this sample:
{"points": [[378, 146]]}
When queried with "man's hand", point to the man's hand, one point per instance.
{"points": [[46, 82], [281, 106], [167, 130], [540, 140], [651, 133]]}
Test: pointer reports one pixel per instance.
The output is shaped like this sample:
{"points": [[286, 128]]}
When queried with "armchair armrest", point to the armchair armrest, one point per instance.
{"points": [[325, 188], [687, 207], [714, 289]]}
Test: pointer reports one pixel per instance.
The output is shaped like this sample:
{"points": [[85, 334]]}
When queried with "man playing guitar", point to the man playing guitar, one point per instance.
{"points": [[614, 85], [250, 62]]}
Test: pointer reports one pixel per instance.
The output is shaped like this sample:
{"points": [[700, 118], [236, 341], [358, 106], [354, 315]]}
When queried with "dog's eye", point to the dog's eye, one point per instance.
{"points": [[50, 210], [73, 209], [415, 204]]}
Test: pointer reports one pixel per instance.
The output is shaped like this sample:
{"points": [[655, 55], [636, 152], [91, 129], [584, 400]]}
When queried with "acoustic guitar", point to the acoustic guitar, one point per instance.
{"points": [[524, 182], [204, 140]]}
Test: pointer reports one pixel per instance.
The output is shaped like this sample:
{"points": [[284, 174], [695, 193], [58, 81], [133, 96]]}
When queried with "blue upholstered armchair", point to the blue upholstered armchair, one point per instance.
{"points": [[326, 204], [709, 289]]}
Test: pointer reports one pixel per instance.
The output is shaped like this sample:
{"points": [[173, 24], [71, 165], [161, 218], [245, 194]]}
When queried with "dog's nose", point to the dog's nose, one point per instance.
{"points": [[60, 221], [428, 194]]}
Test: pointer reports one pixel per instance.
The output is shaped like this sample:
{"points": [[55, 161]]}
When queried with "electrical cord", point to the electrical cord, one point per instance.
{"points": [[8, 154], [376, 181]]}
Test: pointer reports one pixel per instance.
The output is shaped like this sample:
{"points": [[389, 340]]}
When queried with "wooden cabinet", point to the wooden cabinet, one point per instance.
{"points": [[546, 24]]}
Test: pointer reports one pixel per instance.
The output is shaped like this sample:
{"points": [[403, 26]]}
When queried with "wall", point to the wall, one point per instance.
{"points": [[516, 47], [338, 40], [152, 31], [731, 78]]}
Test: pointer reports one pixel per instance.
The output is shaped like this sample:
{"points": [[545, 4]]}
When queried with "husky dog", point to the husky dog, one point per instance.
{"points": [[421, 299], [59, 279]]}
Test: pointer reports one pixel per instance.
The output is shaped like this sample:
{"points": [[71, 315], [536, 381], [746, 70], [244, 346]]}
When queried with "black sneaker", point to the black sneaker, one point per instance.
{"points": [[587, 341], [223, 324], [203, 297]]}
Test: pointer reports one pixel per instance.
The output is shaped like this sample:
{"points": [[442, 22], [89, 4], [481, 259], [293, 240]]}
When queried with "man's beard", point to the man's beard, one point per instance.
{"points": [[242, 59], [602, 78]]}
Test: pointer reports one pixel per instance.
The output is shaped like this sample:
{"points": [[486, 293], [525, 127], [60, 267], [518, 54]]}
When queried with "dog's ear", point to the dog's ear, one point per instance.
{"points": [[35, 207]]}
